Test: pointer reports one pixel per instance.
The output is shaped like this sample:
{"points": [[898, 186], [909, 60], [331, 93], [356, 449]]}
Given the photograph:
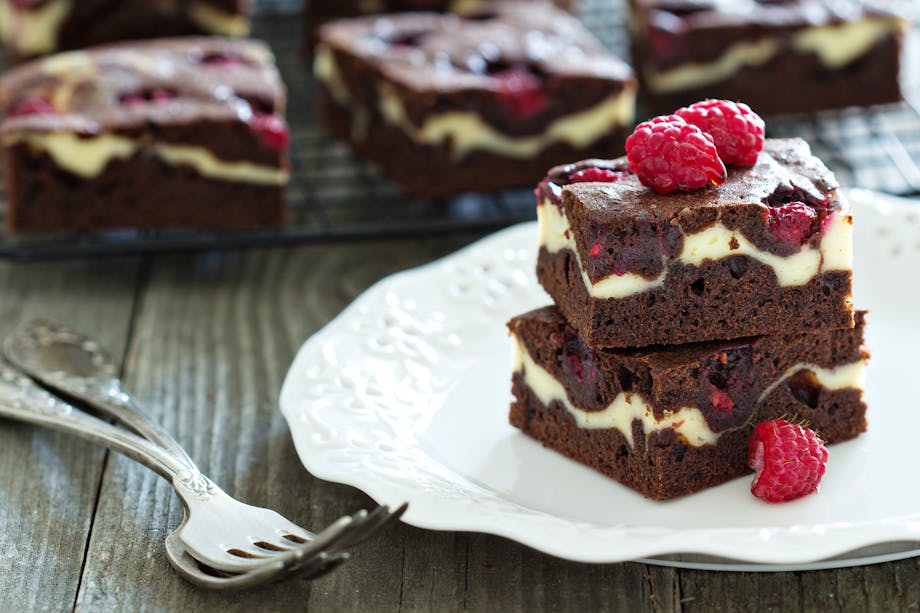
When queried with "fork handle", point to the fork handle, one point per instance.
{"points": [[40, 347], [117, 403], [22, 400]]}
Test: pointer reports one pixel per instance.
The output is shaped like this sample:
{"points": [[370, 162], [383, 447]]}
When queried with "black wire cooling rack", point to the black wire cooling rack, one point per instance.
{"points": [[334, 195]]}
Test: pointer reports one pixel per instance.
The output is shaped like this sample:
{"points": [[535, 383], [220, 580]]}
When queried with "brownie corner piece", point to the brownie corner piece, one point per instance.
{"points": [[420, 96], [670, 421], [831, 53], [767, 252], [183, 132], [30, 28]]}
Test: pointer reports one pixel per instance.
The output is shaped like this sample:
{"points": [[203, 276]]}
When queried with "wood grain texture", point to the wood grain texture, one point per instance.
{"points": [[49, 481], [214, 335]]}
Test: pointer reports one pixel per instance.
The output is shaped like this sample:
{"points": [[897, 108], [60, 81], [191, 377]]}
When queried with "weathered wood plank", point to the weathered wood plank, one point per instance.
{"points": [[894, 586], [49, 481], [213, 338]]}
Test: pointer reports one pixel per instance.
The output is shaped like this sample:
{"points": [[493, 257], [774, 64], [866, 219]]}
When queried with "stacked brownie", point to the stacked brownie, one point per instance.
{"points": [[30, 28], [682, 320], [185, 132], [446, 104], [833, 53]]}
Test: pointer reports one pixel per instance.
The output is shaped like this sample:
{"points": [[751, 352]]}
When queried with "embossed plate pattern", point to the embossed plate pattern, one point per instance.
{"points": [[405, 396]]}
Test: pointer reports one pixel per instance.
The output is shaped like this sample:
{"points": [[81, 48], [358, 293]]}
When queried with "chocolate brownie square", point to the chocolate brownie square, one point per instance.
{"points": [[669, 421], [447, 104], [30, 28], [767, 252], [182, 132], [777, 56]]}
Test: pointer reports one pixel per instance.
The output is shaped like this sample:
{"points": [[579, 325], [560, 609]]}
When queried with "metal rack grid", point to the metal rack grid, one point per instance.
{"points": [[334, 196]]}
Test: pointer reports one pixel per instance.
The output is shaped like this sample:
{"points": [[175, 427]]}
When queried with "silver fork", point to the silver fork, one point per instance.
{"points": [[76, 366], [23, 400]]}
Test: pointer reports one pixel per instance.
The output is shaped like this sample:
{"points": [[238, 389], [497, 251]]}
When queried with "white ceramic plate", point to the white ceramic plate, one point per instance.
{"points": [[405, 396]]}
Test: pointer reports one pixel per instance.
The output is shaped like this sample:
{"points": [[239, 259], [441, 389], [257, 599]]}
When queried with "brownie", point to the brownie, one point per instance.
{"points": [[355, 8], [339, 9], [446, 104], [30, 28], [767, 252], [777, 56], [669, 421], [185, 132]]}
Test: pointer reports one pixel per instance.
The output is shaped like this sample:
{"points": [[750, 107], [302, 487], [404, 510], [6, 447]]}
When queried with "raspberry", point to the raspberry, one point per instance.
{"points": [[668, 154], [31, 106], [596, 175], [272, 131], [520, 91], [161, 95], [791, 223], [789, 460], [737, 130], [721, 401], [223, 59]]}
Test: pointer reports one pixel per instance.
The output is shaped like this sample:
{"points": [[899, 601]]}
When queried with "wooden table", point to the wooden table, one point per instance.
{"points": [[205, 341]]}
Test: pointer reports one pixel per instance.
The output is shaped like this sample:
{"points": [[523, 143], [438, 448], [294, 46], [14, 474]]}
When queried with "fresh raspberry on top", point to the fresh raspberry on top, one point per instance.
{"points": [[737, 130], [789, 460], [668, 154]]}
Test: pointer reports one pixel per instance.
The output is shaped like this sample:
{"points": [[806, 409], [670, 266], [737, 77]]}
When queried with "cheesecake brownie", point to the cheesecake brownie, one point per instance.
{"points": [[338, 9], [37, 27], [168, 133], [778, 56], [670, 421], [447, 104], [767, 252]]}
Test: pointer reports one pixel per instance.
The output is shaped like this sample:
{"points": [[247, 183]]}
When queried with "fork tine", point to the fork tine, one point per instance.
{"points": [[332, 561], [371, 524], [227, 562], [312, 559]]}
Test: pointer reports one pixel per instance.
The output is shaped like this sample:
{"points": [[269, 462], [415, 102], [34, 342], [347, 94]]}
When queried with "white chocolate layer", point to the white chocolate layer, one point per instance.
{"points": [[326, 72], [835, 45], [688, 422], [627, 407], [466, 131], [833, 252], [713, 243], [88, 157], [216, 21], [555, 235], [32, 31], [846, 376]]}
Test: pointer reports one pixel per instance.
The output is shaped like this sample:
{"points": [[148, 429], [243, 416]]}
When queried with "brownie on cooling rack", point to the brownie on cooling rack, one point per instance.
{"points": [[185, 132], [669, 421], [447, 104], [767, 252], [779, 56], [38, 27], [338, 9]]}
